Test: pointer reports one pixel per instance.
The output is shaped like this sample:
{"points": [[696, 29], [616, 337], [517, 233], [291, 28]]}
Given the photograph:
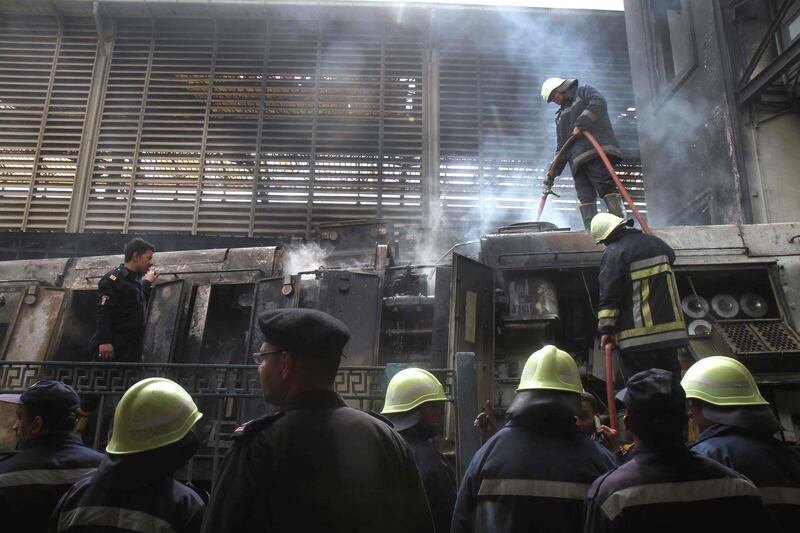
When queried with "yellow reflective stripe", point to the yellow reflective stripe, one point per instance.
{"points": [[650, 261], [780, 495], [653, 338], [659, 328], [537, 488], [45, 476], [646, 314], [608, 313], [652, 271], [116, 517], [673, 290], [685, 491], [604, 322]]}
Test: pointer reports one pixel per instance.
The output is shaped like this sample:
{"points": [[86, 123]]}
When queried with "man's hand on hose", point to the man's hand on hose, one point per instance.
{"points": [[607, 339], [576, 131], [548, 185]]}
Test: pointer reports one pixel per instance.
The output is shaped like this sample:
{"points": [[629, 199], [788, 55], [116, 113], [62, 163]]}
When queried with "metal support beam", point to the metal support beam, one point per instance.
{"points": [[771, 72], [430, 129], [91, 126], [765, 41]]}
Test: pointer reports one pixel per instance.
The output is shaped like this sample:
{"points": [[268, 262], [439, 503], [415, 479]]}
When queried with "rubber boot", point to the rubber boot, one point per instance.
{"points": [[588, 211], [615, 205]]}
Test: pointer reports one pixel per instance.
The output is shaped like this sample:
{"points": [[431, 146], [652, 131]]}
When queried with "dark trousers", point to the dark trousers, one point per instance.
{"points": [[591, 179], [631, 363]]}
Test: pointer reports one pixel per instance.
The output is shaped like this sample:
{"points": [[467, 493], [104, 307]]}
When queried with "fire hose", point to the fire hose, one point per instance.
{"points": [[604, 158], [608, 348]]}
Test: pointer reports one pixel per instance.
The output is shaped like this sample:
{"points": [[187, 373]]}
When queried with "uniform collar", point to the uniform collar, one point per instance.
{"points": [[713, 431], [320, 399], [128, 273], [53, 440]]}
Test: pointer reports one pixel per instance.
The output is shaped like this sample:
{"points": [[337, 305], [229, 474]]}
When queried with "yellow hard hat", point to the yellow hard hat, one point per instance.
{"points": [[550, 369], [409, 389], [605, 223], [153, 413], [722, 381], [550, 85]]}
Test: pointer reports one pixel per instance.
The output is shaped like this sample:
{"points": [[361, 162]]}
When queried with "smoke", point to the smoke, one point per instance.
{"points": [[303, 258], [515, 51]]}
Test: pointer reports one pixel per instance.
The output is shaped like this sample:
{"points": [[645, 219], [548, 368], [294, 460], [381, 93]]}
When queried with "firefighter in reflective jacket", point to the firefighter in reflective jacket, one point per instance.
{"points": [[51, 456], [533, 474], [639, 308], [414, 404], [663, 486], [736, 427], [134, 491]]}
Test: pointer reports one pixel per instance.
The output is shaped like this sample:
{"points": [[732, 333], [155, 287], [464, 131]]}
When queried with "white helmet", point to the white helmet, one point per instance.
{"points": [[553, 84]]}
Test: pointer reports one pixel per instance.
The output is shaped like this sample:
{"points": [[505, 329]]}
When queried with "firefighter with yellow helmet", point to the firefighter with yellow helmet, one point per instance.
{"points": [[736, 428], [639, 309], [135, 490], [582, 107], [415, 404], [534, 473]]}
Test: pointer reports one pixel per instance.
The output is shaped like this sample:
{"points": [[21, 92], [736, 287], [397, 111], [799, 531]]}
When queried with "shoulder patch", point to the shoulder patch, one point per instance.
{"points": [[375, 414], [112, 277], [254, 426]]}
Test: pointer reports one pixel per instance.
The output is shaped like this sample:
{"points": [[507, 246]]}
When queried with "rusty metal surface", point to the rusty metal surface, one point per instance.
{"points": [[47, 271], [160, 330], [37, 320], [472, 319]]}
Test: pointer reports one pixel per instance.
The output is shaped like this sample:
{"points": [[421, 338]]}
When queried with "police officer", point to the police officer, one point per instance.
{"points": [[51, 456], [122, 305], [415, 404], [135, 490], [584, 108], [639, 308], [736, 427], [533, 474], [663, 486], [316, 465]]}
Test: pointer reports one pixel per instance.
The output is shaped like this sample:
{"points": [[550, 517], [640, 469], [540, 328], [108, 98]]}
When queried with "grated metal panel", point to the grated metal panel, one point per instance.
{"points": [[759, 336], [498, 137], [258, 127], [45, 71], [275, 124]]}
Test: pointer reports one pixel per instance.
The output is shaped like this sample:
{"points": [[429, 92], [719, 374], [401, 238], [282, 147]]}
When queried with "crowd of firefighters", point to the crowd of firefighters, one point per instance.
{"points": [[318, 465]]}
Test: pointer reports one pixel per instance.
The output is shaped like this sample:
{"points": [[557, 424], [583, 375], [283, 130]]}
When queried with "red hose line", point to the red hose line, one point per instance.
{"points": [[612, 404], [620, 186], [542, 201]]}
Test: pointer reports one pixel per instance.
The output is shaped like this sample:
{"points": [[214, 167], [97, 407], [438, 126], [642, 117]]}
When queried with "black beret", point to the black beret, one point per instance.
{"points": [[654, 394], [304, 332], [50, 396]]}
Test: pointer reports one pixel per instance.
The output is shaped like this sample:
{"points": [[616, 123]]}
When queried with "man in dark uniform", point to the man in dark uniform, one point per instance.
{"points": [[135, 490], [736, 429], [122, 305], [317, 465], [639, 308], [533, 474], [584, 108], [50, 460], [415, 404], [663, 486]]}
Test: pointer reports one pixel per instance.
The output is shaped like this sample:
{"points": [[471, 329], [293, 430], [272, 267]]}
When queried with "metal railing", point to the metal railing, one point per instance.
{"points": [[228, 395]]}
